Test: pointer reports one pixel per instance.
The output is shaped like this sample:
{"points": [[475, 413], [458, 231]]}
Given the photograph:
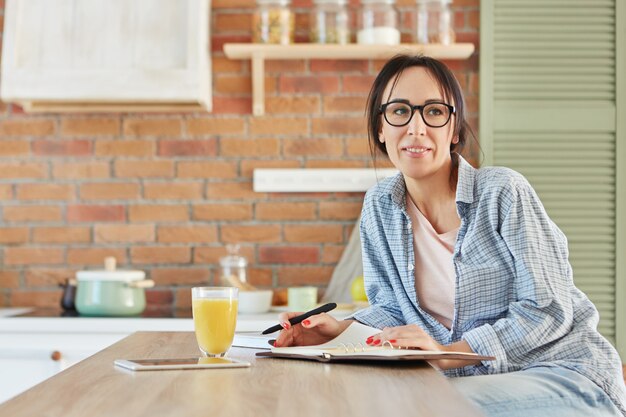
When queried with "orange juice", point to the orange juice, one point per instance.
{"points": [[214, 320]]}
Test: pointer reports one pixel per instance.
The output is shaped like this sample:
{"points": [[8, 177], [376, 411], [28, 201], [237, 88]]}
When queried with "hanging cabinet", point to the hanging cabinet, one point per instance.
{"points": [[106, 55]]}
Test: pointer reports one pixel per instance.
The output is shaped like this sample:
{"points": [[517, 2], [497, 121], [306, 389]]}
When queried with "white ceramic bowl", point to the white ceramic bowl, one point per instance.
{"points": [[253, 302]]}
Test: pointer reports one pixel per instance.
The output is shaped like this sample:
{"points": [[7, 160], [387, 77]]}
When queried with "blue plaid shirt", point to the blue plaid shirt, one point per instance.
{"points": [[515, 297]]}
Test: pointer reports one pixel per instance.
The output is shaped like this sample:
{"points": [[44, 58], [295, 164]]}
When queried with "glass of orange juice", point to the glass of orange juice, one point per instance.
{"points": [[214, 318]]}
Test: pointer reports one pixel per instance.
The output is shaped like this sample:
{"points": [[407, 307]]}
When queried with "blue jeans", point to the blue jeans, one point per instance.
{"points": [[553, 392]]}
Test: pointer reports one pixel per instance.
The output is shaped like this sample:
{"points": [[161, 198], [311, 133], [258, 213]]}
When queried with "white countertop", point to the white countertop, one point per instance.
{"points": [[245, 323]]}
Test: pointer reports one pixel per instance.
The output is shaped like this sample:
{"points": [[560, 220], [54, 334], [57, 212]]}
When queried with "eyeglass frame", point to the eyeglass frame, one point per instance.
{"points": [[416, 107]]}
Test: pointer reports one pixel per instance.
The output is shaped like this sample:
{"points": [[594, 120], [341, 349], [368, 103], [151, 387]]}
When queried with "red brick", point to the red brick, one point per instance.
{"points": [[234, 84], [159, 297], [232, 105], [112, 233], [187, 234], [304, 275], [144, 169], [95, 213], [278, 126], [9, 279], [340, 126], [10, 235], [61, 234], [160, 255], [233, 4], [252, 234], [95, 256], [200, 127], [358, 147], [254, 148], [25, 170], [317, 233], [308, 84], [158, 213], [109, 191], [312, 147], [38, 192], [218, 41], [307, 105], [334, 164], [212, 169], [126, 147], [340, 210], [282, 66], [33, 256], [228, 211], [46, 277], [285, 211], [77, 147], [27, 127], [249, 165], [232, 190], [180, 276], [172, 191], [288, 255], [357, 83], [343, 105], [331, 254], [183, 299], [226, 65], [336, 65], [6, 192], [152, 127], [80, 170], [44, 299], [204, 147], [90, 127], [32, 213], [14, 148]]}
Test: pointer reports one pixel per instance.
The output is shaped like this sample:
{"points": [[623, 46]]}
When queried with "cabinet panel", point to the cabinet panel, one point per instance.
{"points": [[109, 51]]}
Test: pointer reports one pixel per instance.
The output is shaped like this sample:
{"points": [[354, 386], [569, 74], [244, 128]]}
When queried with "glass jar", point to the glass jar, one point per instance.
{"points": [[273, 22], [434, 22], [329, 22], [378, 23], [233, 267]]}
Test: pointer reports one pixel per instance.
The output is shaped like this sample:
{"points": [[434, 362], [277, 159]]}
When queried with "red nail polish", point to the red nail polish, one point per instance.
{"points": [[377, 342], [286, 325], [306, 322], [392, 341], [369, 339]]}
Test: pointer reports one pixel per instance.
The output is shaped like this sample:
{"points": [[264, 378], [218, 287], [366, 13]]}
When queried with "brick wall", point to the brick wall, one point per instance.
{"points": [[165, 192]]}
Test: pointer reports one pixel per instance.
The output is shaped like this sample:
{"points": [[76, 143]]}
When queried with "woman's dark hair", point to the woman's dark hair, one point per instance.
{"points": [[449, 85]]}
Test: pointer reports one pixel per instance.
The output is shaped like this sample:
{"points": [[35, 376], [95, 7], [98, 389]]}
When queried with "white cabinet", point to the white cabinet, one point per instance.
{"points": [[28, 359], [106, 55]]}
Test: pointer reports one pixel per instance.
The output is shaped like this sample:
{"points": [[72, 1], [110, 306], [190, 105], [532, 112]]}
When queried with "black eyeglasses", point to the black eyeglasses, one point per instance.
{"points": [[400, 113]]}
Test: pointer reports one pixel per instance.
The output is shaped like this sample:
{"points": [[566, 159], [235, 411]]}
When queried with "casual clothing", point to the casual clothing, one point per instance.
{"points": [[515, 297], [434, 271], [549, 392]]}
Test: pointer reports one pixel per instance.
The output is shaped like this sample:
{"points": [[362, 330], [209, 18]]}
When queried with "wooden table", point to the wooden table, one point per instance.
{"points": [[271, 387]]}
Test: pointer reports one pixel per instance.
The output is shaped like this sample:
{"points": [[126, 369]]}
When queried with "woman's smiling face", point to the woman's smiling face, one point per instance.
{"points": [[416, 149]]}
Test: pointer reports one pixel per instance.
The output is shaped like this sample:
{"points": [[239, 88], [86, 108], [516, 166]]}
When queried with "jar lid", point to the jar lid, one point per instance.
{"points": [[233, 259], [275, 2], [109, 273]]}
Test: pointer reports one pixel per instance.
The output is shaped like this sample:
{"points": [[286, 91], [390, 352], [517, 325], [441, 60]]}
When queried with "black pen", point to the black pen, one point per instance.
{"points": [[295, 320]]}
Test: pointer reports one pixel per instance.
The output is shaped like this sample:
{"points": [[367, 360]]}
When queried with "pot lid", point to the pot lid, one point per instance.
{"points": [[109, 273]]}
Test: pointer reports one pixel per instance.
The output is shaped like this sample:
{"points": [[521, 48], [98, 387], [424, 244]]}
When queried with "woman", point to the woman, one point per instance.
{"points": [[468, 260]]}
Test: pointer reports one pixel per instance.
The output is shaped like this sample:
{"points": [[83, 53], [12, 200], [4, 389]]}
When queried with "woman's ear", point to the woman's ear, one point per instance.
{"points": [[455, 139], [381, 138]]}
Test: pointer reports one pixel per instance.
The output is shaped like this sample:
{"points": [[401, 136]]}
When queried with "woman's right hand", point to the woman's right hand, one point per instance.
{"points": [[315, 330]]}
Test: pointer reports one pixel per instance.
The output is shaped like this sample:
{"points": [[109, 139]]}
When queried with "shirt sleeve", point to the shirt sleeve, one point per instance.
{"points": [[377, 264], [543, 311]]}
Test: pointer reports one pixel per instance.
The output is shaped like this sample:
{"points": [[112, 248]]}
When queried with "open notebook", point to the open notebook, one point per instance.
{"points": [[350, 346]]}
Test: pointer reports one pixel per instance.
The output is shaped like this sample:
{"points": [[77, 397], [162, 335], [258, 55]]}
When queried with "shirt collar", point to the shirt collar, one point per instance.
{"points": [[395, 188]]}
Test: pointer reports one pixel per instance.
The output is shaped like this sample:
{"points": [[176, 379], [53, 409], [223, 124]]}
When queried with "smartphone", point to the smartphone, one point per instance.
{"points": [[185, 363]]}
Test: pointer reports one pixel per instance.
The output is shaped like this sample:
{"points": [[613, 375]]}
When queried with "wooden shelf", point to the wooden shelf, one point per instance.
{"points": [[258, 53]]}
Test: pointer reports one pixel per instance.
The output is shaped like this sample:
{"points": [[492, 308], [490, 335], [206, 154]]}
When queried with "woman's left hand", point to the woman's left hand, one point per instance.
{"points": [[405, 336], [414, 336]]}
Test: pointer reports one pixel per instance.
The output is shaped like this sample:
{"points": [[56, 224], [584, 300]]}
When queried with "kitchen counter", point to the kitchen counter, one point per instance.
{"points": [[270, 387]]}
